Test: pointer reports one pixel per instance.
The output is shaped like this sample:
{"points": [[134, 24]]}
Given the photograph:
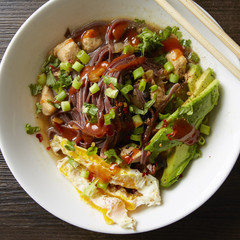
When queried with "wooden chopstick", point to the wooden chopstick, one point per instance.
{"points": [[182, 21], [210, 24]]}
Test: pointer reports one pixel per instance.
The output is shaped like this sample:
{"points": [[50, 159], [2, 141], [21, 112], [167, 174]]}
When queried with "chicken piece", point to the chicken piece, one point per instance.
{"points": [[179, 62], [131, 152], [66, 50], [47, 95], [91, 40]]}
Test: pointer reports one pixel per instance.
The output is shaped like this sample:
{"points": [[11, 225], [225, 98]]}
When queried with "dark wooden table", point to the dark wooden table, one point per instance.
{"points": [[22, 218]]}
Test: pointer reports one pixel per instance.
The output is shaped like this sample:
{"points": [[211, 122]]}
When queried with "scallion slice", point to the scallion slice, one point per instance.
{"points": [[66, 66], [142, 85], [126, 89], [102, 185], [65, 105], [137, 73], [137, 120], [76, 84], [83, 57], [61, 95], [94, 88], [205, 129], [72, 162], [108, 80], [153, 88], [173, 78], [168, 66], [84, 173], [112, 93], [109, 116], [77, 66]]}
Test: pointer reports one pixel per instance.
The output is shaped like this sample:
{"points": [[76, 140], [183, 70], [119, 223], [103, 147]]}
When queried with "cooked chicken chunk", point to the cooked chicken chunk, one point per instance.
{"points": [[132, 152], [66, 50], [90, 44], [47, 95], [179, 62]]}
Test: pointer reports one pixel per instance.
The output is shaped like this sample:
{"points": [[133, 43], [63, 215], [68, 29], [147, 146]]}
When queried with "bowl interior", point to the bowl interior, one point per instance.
{"points": [[36, 170]]}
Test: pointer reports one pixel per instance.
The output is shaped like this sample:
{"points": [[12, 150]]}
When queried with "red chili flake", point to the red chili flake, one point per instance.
{"points": [[39, 136], [165, 123], [48, 148]]}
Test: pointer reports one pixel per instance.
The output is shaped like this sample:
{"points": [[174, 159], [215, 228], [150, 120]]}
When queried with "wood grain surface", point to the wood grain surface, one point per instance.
{"points": [[22, 218]]}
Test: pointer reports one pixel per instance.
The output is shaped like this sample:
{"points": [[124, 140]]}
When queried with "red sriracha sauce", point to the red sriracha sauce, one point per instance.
{"points": [[39, 137], [172, 43], [184, 132]]}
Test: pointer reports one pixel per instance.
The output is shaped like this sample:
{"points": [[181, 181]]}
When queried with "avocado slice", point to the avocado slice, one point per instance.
{"points": [[197, 85], [193, 110], [178, 158], [193, 74]]}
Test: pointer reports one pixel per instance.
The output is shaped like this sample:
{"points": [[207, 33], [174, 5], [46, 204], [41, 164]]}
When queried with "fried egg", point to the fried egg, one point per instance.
{"points": [[127, 188]]}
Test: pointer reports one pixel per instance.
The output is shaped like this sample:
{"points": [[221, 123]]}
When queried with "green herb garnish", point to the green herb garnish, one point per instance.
{"points": [[35, 89]]}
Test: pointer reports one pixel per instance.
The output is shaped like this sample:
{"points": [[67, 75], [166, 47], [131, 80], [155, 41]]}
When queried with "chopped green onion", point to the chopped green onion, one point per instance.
{"points": [[176, 32], [76, 84], [77, 66], [112, 156], [94, 88], [70, 146], [109, 116], [66, 66], [137, 73], [65, 105], [168, 66], [83, 57], [42, 78], [173, 78], [138, 130], [137, 120], [128, 49], [201, 140], [90, 190], [92, 151], [112, 93], [204, 129], [126, 89], [84, 173], [108, 80], [153, 88], [31, 130], [72, 162], [102, 185], [61, 95], [194, 57], [142, 85]]}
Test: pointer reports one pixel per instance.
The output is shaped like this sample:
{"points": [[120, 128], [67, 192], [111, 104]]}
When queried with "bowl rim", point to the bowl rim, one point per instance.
{"points": [[43, 205]]}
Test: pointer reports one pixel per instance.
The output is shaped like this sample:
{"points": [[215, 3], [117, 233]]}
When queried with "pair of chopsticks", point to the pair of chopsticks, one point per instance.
{"points": [[207, 21]]}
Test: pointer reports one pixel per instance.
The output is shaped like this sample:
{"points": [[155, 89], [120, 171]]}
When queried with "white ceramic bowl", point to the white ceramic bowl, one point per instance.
{"points": [[34, 168]]}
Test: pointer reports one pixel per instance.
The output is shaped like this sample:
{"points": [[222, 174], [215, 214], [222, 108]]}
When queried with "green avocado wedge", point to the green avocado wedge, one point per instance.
{"points": [[177, 159], [193, 110]]}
